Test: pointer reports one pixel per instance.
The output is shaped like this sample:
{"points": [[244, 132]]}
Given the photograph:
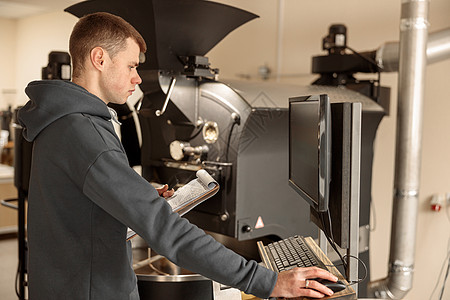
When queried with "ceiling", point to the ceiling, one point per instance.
{"points": [[16, 9]]}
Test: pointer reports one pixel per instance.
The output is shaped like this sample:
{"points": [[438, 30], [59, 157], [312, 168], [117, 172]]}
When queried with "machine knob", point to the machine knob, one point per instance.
{"points": [[246, 228], [224, 217], [180, 150], [176, 149]]}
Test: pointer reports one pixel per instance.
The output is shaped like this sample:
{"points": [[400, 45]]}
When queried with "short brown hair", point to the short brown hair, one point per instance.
{"points": [[104, 30]]}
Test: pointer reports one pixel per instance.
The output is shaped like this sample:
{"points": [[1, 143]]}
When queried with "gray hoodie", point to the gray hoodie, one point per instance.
{"points": [[82, 197]]}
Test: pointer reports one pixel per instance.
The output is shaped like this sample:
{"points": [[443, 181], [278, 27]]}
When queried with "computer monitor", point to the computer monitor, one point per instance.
{"points": [[310, 149], [324, 154]]}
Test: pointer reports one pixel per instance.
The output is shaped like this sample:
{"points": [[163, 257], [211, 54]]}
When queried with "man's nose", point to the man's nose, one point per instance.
{"points": [[137, 79]]}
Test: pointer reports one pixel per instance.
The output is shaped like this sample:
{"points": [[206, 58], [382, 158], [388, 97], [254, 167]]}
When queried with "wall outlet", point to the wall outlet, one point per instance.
{"points": [[439, 200]]}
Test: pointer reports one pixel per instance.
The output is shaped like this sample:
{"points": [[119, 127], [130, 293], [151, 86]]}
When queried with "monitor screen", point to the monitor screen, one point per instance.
{"points": [[310, 149]]}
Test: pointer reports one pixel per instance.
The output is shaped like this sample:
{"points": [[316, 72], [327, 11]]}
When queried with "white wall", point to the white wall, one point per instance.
{"points": [[7, 62], [37, 36], [304, 24], [24, 48]]}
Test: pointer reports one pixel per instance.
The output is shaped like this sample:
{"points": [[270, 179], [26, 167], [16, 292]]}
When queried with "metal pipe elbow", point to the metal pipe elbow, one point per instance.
{"points": [[395, 286]]}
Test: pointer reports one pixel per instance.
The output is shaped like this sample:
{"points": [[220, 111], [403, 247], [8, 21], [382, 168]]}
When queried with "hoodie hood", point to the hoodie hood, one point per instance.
{"points": [[54, 99]]}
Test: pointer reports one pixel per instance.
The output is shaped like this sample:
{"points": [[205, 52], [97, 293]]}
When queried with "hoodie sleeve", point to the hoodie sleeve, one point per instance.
{"points": [[124, 194]]}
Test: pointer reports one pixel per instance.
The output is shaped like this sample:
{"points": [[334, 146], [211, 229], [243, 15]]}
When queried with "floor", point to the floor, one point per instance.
{"points": [[8, 268]]}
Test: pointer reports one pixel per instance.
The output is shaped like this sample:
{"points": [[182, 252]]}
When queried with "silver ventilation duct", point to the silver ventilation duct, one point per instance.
{"points": [[411, 81], [438, 48]]}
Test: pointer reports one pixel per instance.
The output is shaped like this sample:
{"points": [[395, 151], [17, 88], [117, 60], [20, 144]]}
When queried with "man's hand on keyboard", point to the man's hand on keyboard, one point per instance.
{"points": [[298, 282]]}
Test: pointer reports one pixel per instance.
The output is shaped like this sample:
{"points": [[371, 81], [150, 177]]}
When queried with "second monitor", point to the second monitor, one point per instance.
{"points": [[324, 146]]}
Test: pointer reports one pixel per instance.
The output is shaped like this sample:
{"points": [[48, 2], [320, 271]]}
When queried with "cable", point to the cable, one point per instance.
{"points": [[371, 61], [342, 258], [229, 140], [195, 134], [365, 270], [332, 242], [445, 279], [330, 237], [362, 263]]}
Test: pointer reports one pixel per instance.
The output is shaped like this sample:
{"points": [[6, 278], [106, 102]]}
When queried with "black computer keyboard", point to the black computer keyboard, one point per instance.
{"points": [[293, 252]]}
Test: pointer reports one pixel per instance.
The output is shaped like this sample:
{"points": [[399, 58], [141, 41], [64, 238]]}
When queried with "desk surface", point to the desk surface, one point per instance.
{"points": [[349, 292], [6, 174]]}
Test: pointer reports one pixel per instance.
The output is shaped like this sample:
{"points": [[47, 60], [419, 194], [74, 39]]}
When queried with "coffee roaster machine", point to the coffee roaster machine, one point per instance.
{"points": [[237, 130]]}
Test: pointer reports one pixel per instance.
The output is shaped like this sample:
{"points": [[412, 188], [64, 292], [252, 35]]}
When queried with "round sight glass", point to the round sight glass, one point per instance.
{"points": [[210, 132]]}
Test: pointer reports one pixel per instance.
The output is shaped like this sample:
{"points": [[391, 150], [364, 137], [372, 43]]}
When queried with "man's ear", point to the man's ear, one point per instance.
{"points": [[98, 58]]}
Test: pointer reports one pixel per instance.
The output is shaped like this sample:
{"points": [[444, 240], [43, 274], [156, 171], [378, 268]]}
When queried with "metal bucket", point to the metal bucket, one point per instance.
{"points": [[176, 284], [175, 287]]}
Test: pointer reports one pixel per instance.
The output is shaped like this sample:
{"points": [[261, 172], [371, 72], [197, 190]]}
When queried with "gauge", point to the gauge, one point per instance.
{"points": [[210, 132]]}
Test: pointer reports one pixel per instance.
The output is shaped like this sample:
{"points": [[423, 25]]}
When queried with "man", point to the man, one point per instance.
{"points": [[83, 195]]}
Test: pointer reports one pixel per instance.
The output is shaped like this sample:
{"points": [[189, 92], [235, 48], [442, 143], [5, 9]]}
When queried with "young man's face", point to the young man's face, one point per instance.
{"points": [[120, 75]]}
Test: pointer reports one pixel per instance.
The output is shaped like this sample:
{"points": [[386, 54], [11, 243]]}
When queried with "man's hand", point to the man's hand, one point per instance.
{"points": [[163, 191], [298, 282]]}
